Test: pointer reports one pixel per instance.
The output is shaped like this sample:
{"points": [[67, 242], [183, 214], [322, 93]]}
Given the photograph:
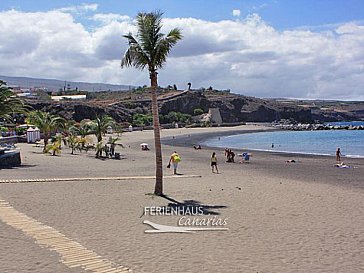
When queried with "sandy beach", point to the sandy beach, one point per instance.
{"points": [[306, 216]]}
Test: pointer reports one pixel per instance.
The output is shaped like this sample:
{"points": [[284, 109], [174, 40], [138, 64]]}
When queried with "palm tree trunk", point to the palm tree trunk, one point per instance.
{"points": [[158, 189], [45, 142]]}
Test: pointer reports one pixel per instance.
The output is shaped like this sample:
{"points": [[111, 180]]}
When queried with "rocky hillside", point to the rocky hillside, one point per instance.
{"points": [[233, 108], [236, 108]]}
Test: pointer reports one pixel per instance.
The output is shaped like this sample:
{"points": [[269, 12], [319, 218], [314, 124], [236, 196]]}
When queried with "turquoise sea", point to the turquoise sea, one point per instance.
{"points": [[351, 142]]}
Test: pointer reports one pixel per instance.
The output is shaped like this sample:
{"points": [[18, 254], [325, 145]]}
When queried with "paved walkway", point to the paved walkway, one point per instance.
{"points": [[71, 253], [91, 178]]}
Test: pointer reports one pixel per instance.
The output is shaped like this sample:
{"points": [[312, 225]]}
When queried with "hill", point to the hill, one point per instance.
{"points": [[55, 85], [233, 108]]}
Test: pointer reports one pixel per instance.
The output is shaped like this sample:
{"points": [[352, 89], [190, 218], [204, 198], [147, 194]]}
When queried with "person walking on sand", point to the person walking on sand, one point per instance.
{"points": [[214, 162], [174, 159], [338, 154]]}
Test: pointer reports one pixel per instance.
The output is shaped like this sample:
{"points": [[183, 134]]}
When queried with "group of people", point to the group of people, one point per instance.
{"points": [[175, 158], [230, 155]]}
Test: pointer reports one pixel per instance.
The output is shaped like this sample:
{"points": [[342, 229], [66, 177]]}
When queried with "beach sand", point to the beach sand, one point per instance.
{"points": [[282, 217]]}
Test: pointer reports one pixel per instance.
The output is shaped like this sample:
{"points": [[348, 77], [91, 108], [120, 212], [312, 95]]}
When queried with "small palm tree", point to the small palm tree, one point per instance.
{"points": [[149, 49], [73, 142], [83, 129], [47, 124], [113, 143], [100, 124], [55, 147], [189, 86]]}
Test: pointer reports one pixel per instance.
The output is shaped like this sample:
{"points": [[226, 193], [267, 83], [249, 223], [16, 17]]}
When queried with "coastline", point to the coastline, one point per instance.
{"points": [[316, 168], [189, 140]]}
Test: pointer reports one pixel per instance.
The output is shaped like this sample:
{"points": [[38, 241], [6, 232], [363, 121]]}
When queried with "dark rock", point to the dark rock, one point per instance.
{"points": [[10, 159]]}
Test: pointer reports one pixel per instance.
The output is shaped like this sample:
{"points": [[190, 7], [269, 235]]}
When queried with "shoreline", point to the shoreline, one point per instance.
{"points": [[310, 168], [189, 140]]}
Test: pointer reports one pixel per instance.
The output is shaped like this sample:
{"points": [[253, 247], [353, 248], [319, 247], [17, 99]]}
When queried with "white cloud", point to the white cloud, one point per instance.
{"points": [[236, 12], [107, 18], [247, 56], [85, 7]]}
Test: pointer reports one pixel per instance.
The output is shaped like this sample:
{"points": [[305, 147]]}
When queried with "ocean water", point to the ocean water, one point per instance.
{"points": [[351, 142]]}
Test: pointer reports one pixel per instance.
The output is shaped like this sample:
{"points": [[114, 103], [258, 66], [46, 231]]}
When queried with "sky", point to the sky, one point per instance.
{"points": [[274, 48]]}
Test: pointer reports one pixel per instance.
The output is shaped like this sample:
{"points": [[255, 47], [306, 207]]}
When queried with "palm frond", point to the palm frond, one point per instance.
{"points": [[150, 47], [9, 103]]}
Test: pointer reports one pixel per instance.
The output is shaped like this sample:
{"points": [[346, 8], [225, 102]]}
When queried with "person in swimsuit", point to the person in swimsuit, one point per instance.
{"points": [[338, 154], [214, 162]]}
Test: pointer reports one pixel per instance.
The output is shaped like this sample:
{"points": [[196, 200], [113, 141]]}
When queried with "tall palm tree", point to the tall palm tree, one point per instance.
{"points": [[149, 49], [9, 102], [47, 124]]}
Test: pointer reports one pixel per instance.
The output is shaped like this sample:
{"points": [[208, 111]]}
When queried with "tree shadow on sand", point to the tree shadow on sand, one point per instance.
{"points": [[22, 166], [192, 205]]}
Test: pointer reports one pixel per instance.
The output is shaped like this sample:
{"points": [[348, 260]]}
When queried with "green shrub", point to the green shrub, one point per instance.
{"points": [[198, 111], [176, 117], [142, 120]]}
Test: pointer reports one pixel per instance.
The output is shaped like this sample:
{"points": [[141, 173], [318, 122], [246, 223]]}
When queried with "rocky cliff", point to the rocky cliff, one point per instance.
{"points": [[236, 108], [233, 108]]}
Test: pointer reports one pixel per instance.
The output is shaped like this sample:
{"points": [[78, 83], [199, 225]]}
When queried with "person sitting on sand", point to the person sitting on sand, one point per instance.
{"points": [[174, 159], [197, 147], [342, 165], [338, 154], [245, 157], [214, 162]]}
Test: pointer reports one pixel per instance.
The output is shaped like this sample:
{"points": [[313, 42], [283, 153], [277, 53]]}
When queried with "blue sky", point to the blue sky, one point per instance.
{"points": [[265, 48], [281, 14]]}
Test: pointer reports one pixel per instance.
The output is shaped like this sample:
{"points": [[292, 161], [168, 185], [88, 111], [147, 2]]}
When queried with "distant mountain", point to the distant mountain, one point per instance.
{"points": [[55, 85]]}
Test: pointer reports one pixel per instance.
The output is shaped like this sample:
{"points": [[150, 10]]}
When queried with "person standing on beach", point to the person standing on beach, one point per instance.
{"points": [[214, 162], [174, 159], [338, 154]]}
